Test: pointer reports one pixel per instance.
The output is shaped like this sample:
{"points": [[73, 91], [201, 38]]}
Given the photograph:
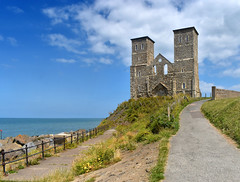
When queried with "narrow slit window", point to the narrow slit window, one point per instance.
{"points": [[184, 85], [187, 38], [139, 74], [142, 46], [165, 69], [136, 47], [180, 39], [155, 69]]}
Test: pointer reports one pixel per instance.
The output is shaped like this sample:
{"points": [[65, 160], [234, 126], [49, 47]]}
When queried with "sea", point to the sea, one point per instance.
{"points": [[11, 127]]}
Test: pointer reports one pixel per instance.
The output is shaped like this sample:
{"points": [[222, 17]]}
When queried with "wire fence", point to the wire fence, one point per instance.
{"points": [[78, 137]]}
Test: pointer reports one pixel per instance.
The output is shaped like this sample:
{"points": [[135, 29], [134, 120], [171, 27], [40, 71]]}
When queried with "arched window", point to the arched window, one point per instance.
{"points": [[180, 39], [165, 69], [183, 85], [155, 69]]}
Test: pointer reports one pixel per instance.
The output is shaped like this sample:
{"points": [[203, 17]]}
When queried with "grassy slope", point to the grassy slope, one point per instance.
{"points": [[146, 119], [137, 121], [225, 115]]}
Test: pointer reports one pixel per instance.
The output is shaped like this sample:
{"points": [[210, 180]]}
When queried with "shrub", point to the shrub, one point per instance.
{"points": [[97, 157]]}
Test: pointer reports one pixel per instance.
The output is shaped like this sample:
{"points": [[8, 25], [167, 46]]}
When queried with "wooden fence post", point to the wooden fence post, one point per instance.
{"points": [[64, 143], [3, 162], [54, 145], [82, 136], [26, 155], [42, 150], [77, 137], [168, 113]]}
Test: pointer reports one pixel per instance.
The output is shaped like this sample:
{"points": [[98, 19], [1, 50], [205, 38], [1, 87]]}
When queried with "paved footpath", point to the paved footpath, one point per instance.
{"points": [[199, 153], [62, 161]]}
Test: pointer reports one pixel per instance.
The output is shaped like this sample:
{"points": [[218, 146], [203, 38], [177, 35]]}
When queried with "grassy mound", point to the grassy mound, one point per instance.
{"points": [[225, 115]]}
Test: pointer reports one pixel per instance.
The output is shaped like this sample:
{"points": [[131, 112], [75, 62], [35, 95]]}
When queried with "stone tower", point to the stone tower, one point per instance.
{"points": [[186, 56], [142, 57], [151, 76]]}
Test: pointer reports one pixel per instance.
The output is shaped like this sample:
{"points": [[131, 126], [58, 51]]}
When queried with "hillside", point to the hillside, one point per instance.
{"points": [[145, 121], [225, 115], [143, 128]]}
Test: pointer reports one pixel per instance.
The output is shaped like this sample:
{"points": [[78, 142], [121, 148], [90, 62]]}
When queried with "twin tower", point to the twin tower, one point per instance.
{"points": [[151, 76]]}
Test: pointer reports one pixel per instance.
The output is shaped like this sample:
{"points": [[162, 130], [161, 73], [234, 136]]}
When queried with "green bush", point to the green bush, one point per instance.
{"points": [[97, 157]]}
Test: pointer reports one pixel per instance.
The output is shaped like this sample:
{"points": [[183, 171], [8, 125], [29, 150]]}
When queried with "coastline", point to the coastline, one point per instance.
{"points": [[11, 127]]}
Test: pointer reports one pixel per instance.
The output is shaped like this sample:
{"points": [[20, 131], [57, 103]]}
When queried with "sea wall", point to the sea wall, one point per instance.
{"points": [[222, 93]]}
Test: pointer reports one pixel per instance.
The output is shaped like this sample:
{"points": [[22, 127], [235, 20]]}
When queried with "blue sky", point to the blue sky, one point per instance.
{"points": [[63, 58]]}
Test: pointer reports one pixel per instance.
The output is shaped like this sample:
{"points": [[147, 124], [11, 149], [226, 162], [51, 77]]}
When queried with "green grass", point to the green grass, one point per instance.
{"points": [[144, 120], [225, 115]]}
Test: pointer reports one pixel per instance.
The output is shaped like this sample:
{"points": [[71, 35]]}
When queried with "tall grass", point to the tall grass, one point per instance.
{"points": [[225, 115]]}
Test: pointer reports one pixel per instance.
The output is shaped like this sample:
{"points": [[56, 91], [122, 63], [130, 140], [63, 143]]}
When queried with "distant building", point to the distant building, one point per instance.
{"points": [[151, 76]]}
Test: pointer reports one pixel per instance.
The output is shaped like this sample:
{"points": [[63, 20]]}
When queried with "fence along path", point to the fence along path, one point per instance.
{"points": [[62, 161]]}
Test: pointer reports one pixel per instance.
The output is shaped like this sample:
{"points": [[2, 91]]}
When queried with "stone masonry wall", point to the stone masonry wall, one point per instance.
{"points": [[222, 93]]}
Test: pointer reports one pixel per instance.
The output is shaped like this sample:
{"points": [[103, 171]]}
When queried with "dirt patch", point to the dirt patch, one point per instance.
{"points": [[135, 166]]}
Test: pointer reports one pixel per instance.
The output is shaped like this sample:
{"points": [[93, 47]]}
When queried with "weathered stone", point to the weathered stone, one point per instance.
{"points": [[157, 77], [222, 93], [31, 146], [22, 139]]}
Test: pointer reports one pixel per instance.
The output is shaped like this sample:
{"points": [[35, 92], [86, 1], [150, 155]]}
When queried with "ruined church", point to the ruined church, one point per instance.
{"points": [[158, 76]]}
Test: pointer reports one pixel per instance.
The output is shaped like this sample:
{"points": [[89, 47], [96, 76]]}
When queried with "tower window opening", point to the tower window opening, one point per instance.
{"points": [[184, 85], [142, 46], [180, 39], [136, 47], [187, 38], [139, 74], [165, 69], [160, 60], [155, 69], [182, 70]]}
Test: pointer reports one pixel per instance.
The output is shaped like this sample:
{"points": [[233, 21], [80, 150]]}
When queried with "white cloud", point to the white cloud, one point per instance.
{"points": [[62, 60], [12, 41], [207, 87], [15, 9], [105, 61], [111, 24], [236, 87], [61, 41], [232, 72]]}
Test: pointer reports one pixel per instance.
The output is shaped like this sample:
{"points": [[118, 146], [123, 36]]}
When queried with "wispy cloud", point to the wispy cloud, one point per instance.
{"points": [[61, 41], [62, 60], [111, 24], [6, 65], [15, 9], [105, 61], [12, 41], [206, 87], [236, 87], [235, 72]]}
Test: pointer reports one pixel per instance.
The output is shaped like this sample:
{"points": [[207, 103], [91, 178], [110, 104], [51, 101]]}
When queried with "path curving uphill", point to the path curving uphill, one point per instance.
{"points": [[200, 153]]}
